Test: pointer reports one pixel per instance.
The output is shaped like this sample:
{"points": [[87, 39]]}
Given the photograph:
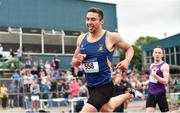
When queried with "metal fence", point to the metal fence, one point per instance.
{"points": [[21, 95], [55, 96]]}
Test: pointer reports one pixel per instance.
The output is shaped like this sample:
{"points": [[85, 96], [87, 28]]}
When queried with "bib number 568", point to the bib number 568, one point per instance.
{"points": [[89, 65]]}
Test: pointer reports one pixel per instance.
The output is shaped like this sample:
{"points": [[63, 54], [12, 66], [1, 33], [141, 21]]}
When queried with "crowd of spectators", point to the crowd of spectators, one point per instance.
{"points": [[53, 82], [57, 83]]}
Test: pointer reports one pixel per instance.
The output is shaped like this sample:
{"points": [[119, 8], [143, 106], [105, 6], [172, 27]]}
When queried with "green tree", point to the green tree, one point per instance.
{"points": [[136, 61], [144, 40]]}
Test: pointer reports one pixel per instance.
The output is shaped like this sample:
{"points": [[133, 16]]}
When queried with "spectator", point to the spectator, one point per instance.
{"points": [[45, 88], [74, 88], [120, 87], [28, 61], [80, 72], [83, 91], [34, 71], [29, 79], [25, 81], [56, 62], [11, 52], [4, 95], [19, 54], [54, 89], [16, 76], [12, 93], [63, 88], [35, 90], [1, 51], [47, 67], [54, 75]]}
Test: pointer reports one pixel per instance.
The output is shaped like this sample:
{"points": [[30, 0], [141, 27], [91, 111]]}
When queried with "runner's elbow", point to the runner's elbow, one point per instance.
{"points": [[165, 82]]}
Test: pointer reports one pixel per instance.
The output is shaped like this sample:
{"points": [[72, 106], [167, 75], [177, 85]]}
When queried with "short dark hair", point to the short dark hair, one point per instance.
{"points": [[97, 10], [158, 46]]}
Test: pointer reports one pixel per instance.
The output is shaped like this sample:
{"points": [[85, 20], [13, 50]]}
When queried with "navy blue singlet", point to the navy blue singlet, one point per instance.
{"points": [[97, 64]]}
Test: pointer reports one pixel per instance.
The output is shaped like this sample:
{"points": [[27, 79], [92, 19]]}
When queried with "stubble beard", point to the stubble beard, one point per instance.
{"points": [[157, 60], [91, 30]]}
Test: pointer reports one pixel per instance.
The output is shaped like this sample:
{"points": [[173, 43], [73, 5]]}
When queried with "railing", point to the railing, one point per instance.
{"points": [[72, 101], [175, 98], [22, 96]]}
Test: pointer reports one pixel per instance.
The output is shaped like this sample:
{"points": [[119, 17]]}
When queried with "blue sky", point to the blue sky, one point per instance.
{"points": [[147, 18]]}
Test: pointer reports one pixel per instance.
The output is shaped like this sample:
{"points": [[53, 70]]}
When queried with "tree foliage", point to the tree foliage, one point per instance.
{"points": [[144, 40], [136, 61]]}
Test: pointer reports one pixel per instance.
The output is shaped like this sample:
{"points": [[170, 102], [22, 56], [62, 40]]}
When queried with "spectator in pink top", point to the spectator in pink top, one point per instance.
{"points": [[74, 88]]}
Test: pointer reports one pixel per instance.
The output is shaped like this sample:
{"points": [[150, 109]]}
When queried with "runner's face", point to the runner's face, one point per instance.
{"points": [[157, 54], [93, 21]]}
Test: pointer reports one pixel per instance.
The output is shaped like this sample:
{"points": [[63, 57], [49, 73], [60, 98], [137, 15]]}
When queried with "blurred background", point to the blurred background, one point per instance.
{"points": [[38, 39]]}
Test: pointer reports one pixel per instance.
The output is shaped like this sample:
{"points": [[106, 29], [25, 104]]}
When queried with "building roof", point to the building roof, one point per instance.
{"points": [[68, 15], [168, 42]]}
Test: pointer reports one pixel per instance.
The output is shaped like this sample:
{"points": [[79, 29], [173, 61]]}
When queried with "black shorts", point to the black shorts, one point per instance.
{"points": [[12, 97], [152, 100], [100, 95]]}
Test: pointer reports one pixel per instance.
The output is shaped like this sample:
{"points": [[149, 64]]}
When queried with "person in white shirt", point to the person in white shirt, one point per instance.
{"points": [[1, 51]]}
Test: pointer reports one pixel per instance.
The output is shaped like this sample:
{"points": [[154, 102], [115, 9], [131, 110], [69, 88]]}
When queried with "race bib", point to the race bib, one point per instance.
{"points": [[91, 67], [152, 79]]}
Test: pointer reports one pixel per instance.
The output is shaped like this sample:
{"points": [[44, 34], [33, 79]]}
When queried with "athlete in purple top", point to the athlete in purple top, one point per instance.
{"points": [[158, 78]]}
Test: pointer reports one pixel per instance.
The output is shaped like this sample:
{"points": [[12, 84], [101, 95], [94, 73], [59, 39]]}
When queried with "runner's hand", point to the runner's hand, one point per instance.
{"points": [[81, 57], [123, 65]]}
